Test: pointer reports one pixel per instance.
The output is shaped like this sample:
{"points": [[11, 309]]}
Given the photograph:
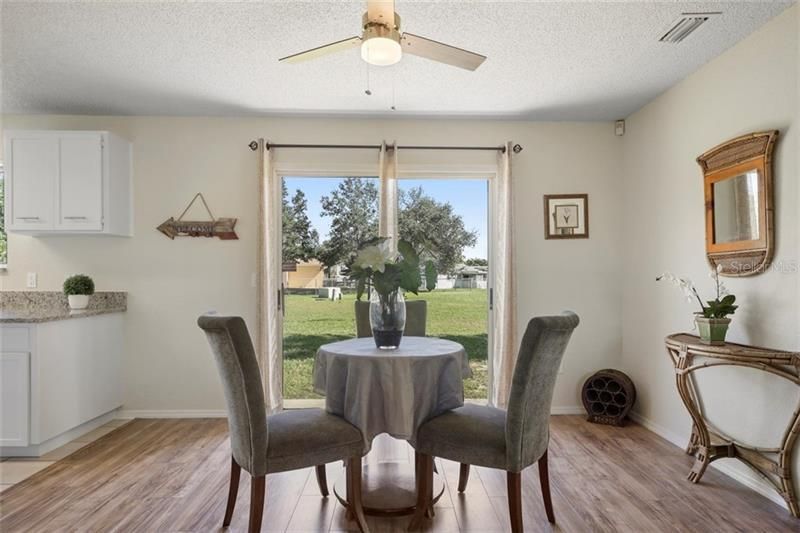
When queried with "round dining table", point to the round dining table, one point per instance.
{"points": [[393, 392]]}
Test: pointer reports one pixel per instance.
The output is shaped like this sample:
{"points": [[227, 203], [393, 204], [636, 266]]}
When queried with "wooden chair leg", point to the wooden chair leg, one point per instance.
{"points": [[417, 471], [514, 484], [257, 489], [322, 480], [354, 489], [463, 477], [419, 478], [233, 491], [544, 480], [424, 492], [430, 468], [348, 489]]}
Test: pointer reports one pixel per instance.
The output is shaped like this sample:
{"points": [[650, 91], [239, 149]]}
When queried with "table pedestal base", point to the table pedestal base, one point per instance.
{"points": [[388, 489]]}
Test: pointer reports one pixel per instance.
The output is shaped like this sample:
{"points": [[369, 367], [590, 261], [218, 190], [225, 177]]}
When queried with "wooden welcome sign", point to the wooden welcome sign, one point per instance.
{"points": [[223, 228]]}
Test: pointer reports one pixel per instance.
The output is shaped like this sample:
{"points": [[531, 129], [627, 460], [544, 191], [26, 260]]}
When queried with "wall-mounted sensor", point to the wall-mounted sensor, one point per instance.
{"points": [[619, 128]]}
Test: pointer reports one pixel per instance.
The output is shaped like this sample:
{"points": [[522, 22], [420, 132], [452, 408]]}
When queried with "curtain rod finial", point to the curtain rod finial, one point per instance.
{"points": [[517, 148], [253, 145]]}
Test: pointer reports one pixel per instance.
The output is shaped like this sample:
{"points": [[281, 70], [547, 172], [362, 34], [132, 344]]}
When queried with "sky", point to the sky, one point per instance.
{"points": [[468, 197]]}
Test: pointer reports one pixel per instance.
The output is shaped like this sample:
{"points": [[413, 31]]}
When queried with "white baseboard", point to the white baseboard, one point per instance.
{"points": [[37, 450], [172, 413], [567, 410], [750, 480]]}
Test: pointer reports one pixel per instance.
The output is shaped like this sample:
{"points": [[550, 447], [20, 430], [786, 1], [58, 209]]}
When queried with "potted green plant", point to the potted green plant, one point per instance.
{"points": [[388, 274], [712, 319], [78, 288]]}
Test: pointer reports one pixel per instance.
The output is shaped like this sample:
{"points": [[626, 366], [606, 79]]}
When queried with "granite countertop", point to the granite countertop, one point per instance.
{"points": [[47, 306]]}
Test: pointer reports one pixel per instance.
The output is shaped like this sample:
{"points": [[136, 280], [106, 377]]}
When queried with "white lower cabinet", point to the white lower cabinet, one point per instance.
{"points": [[56, 376], [14, 398]]}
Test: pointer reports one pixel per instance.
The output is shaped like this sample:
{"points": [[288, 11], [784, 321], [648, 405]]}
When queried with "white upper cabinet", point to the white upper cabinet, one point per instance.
{"points": [[80, 183], [68, 182], [34, 166]]}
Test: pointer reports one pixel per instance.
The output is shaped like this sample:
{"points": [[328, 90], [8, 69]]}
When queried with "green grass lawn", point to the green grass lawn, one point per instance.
{"points": [[457, 314]]}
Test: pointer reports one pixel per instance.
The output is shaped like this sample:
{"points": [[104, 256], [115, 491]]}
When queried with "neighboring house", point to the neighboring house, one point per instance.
{"points": [[464, 277], [304, 275], [471, 277]]}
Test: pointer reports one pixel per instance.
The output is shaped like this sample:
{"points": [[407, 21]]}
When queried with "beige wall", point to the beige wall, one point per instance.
{"points": [[168, 366], [751, 87]]}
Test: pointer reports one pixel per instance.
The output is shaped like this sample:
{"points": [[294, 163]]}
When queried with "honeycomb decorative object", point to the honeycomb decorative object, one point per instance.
{"points": [[608, 397]]}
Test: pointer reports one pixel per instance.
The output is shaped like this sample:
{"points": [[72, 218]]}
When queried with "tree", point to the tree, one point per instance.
{"points": [[434, 226], [353, 209], [300, 239], [475, 261]]}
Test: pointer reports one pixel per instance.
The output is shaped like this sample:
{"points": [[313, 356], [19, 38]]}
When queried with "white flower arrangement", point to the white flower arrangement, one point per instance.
{"points": [[720, 307], [388, 271], [375, 256]]}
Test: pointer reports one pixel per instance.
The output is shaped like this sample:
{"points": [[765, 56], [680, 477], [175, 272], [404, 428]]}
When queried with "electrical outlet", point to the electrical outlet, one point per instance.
{"points": [[33, 280]]}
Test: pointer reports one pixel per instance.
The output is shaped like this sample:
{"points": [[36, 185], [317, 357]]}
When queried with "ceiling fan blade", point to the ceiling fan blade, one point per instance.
{"points": [[443, 53], [320, 51], [380, 11]]}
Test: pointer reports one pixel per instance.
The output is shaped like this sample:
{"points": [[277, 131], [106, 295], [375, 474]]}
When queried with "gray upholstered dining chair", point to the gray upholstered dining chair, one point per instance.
{"points": [[288, 440], [508, 440], [416, 319]]}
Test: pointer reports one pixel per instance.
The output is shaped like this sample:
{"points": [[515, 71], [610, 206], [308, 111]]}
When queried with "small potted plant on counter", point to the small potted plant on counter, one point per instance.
{"points": [[712, 320], [78, 288]]}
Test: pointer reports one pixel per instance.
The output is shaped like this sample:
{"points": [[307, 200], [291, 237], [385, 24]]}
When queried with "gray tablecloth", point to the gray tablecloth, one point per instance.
{"points": [[392, 392]]}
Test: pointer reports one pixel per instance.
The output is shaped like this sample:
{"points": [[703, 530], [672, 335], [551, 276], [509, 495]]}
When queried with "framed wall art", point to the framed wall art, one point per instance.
{"points": [[566, 216]]}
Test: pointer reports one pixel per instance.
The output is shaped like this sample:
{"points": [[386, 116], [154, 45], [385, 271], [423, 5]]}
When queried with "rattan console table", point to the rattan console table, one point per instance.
{"points": [[708, 443]]}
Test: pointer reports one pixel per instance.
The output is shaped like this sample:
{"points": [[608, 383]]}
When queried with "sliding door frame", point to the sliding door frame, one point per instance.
{"points": [[410, 172]]}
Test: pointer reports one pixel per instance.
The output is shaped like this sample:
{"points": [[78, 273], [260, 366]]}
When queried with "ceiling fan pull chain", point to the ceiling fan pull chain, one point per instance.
{"points": [[394, 79], [368, 92]]}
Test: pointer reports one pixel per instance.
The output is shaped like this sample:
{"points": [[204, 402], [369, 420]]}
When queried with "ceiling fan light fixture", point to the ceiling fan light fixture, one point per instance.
{"points": [[381, 51], [382, 42]]}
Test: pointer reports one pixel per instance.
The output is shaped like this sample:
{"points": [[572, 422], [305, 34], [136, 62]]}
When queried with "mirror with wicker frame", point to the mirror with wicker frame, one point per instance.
{"points": [[737, 178]]}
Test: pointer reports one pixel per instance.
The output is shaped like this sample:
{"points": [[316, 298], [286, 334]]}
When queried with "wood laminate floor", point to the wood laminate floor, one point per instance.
{"points": [[172, 475]]}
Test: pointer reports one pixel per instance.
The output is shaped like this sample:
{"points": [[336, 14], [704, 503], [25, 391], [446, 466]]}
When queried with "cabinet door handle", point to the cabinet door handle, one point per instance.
{"points": [[74, 218], [27, 218]]}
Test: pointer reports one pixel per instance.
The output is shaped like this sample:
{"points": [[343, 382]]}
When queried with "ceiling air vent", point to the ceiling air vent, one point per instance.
{"points": [[685, 26]]}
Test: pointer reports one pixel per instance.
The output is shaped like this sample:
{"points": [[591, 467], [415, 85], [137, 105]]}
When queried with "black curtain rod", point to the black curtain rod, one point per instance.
{"points": [[254, 146]]}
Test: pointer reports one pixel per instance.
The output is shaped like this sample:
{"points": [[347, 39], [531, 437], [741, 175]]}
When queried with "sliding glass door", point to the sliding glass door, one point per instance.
{"points": [[326, 220], [449, 217]]}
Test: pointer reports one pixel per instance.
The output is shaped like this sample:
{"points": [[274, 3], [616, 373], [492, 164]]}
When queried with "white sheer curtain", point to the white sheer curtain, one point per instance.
{"points": [[269, 314], [387, 223], [504, 332]]}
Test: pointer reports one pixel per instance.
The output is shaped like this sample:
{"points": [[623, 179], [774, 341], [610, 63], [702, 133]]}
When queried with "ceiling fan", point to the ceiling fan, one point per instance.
{"points": [[383, 44]]}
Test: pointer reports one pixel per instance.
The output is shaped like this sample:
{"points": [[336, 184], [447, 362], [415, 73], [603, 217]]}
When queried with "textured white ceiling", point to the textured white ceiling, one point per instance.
{"points": [[546, 60]]}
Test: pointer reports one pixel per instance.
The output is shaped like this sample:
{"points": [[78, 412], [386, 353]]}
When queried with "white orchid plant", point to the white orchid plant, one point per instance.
{"points": [[720, 307], [387, 271]]}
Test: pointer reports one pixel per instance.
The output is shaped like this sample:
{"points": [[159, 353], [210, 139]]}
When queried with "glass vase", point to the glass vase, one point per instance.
{"points": [[387, 318]]}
